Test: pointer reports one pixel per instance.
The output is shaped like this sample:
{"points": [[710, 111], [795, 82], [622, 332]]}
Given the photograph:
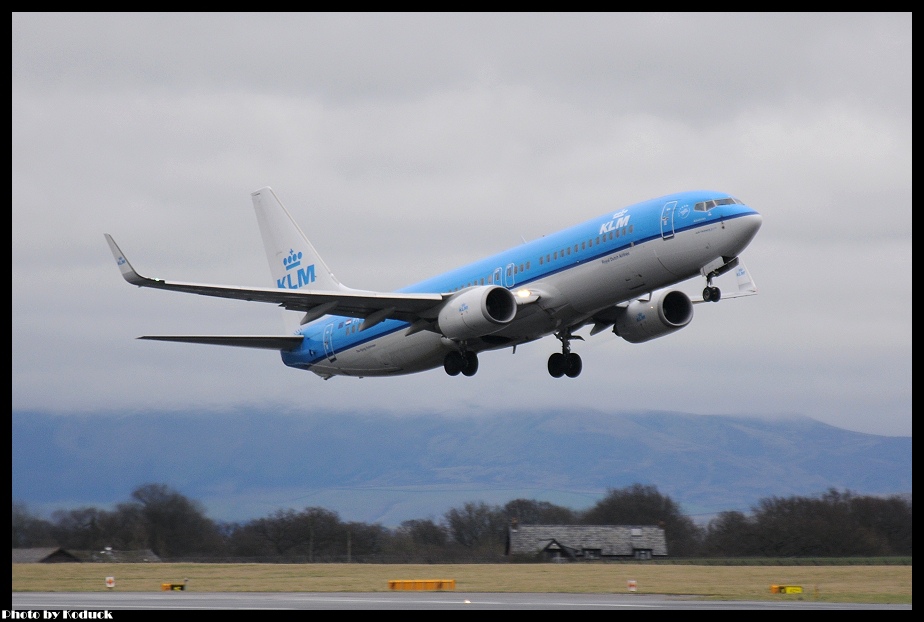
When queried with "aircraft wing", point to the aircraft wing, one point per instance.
{"points": [[374, 307]]}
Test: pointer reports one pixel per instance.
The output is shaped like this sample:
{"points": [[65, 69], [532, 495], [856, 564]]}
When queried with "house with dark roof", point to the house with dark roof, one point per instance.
{"points": [[49, 555], [586, 542], [54, 555], [125, 557]]}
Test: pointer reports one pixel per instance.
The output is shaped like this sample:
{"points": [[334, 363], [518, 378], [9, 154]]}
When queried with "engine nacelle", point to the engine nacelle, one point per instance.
{"points": [[666, 312], [477, 312]]}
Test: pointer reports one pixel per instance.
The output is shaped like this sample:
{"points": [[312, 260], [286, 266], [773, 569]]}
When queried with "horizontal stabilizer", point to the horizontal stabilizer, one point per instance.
{"points": [[264, 342]]}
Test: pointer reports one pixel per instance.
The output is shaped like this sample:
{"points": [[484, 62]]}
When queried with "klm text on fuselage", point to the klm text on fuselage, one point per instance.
{"points": [[620, 219]]}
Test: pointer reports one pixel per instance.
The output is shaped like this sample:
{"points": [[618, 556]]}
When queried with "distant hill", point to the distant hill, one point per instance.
{"points": [[386, 468]]}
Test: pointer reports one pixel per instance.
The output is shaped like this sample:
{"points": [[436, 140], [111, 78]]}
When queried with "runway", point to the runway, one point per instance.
{"points": [[116, 602]]}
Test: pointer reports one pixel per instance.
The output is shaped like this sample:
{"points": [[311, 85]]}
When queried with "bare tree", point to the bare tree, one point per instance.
{"points": [[30, 530], [476, 525], [830, 525], [531, 512], [280, 532], [644, 505], [82, 528], [730, 534], [889, 517], [174, 525]]}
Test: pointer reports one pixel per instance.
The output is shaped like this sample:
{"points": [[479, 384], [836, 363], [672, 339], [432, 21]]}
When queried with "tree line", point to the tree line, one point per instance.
{"points": [[174, 527]]}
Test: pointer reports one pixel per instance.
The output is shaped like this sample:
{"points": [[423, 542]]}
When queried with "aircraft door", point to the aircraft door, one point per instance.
{"points": [[329, 342], [509, 279], [667, 220]]}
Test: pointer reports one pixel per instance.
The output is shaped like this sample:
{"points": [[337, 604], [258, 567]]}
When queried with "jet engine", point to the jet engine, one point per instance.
{"points": [[667, 311], [476, 312]]}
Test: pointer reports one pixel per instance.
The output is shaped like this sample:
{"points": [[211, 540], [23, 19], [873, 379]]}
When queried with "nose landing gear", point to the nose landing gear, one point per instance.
{"points": [[711, 293], [566, 362]]}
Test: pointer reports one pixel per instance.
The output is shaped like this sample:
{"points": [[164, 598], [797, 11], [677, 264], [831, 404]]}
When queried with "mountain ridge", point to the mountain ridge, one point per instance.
{"points": [[385, 468]]}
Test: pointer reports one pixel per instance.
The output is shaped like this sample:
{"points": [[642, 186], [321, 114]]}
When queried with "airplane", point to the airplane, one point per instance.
{"points": [[618, 272]]}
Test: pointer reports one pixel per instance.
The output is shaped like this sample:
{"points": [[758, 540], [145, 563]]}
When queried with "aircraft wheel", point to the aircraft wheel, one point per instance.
{"points": [[707, 294], [574, 365], [557, 365], [470, 365], [453, 363], [715, 295]]}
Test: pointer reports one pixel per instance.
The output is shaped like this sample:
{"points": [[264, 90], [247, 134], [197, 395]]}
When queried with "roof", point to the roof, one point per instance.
{"points": [[610, 540], [45, 555], [109, 555]]}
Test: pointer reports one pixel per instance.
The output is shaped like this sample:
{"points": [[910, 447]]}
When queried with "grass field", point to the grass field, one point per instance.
{"points": [[852, 584]]}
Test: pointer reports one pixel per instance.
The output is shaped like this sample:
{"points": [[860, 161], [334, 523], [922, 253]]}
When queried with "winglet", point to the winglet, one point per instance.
{"points": [[128, 273]]}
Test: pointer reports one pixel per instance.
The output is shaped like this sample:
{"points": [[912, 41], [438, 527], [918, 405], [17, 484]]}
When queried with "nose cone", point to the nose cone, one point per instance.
{"points": [[752, 223], [743, 230]]}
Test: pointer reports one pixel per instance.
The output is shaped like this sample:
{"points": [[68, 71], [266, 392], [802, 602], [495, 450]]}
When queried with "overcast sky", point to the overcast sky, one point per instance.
{"points": [[405, 145]]}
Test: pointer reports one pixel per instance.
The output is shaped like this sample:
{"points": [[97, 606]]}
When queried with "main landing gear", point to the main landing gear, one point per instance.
{"points": [[566, 362], [463, 362]]}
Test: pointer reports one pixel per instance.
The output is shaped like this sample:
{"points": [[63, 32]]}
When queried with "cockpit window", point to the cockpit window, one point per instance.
{"points": [[705, 206]]}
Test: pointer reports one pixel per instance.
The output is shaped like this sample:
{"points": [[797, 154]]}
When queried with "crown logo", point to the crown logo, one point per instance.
{"points": [[293, 261]]}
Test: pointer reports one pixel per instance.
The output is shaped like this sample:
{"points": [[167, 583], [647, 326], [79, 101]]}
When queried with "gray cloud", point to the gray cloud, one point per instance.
{"points": [[408, 144]]}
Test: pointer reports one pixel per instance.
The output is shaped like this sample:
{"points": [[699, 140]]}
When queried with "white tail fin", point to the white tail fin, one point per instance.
{"points": [[294, 263]]}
